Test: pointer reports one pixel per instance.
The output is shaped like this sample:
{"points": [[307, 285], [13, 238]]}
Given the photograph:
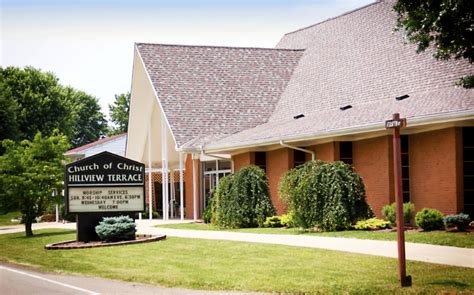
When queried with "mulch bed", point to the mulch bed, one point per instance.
{"points": [[73, 244]]}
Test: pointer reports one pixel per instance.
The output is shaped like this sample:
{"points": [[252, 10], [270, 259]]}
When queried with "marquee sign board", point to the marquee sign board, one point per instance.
{"points": [[105, 183]]}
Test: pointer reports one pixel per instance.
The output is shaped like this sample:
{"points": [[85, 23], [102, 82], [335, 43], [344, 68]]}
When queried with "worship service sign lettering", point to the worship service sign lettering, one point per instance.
{"points": [[105, 183]]}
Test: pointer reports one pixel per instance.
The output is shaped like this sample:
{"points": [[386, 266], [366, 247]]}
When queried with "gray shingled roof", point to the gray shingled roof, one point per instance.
{"points": [[357, 59], [208, 92]]}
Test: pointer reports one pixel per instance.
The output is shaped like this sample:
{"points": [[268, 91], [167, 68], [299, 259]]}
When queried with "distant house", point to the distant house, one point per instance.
{"points": [[114, 144], [324, 92]]}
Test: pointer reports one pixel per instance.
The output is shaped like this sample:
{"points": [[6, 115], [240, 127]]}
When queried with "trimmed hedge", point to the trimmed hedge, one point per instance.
{"points": [[429, 219], [120, 228], [327, 195], [390, 212], [242, 199]]}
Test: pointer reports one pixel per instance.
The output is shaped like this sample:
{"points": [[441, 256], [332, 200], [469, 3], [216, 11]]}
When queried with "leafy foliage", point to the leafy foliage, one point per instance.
{"points": [[118, 112], [273, 221], [326, 195], [429, 219], [242, 199], [33, 101], [287, 220], [120, 228], [390, 212], [29, 172], [448, 24], [460, 221], [372, 224]]}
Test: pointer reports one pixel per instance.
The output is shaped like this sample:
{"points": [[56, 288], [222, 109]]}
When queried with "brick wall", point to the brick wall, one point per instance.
{"points": [[373, 161], [188, 179], [326, 152], [278, 162], [436, 170], [242, 160]]}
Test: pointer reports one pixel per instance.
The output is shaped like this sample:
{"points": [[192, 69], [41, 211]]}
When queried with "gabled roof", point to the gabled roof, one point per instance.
{"points": [[216, 91], [83, 149], [357, 59]]}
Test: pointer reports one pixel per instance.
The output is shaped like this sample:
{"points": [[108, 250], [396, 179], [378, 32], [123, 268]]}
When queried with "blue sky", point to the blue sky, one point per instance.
{"points": [[89, 44]]}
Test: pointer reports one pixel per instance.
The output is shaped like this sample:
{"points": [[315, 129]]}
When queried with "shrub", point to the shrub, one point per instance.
{"points": [[48, 217], [287, 220], [429, 219], [390, 212], [145, 215], [460, 221], [372, 224], [329, 196], [242, 199], [207, 214], [273, 221], [118, 228]]}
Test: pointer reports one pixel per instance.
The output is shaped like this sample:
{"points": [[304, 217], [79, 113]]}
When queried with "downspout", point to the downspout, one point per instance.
{"points": [[313, 155]]}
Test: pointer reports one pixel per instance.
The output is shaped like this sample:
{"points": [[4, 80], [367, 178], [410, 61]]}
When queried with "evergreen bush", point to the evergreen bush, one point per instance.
{"points": [[460, 221], [389, 212], [120, 228], [326, 195], [242, 199], [429, 219]]}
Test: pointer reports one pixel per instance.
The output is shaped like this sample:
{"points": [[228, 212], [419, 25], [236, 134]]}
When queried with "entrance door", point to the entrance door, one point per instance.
{"points": [[174, 199]]}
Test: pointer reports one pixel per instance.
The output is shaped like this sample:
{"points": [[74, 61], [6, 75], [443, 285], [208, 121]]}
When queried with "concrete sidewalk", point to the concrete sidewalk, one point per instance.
{"points": [[454, 256], [418, 252]]}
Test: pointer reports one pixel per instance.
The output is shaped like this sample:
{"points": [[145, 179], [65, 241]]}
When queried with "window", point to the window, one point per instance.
{"points": [[212, 171], [299, 158], [468, 169], [405, 168], [345, 152], [261, 160]]}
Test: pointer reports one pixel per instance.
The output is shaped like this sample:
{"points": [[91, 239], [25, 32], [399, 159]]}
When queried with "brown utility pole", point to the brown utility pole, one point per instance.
{"points": [[396, 124]]}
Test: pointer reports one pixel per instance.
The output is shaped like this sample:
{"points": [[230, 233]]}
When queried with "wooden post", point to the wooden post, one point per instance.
{"points": [[395, 124]]}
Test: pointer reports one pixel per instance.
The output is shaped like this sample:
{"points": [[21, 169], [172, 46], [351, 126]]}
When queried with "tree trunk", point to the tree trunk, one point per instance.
{"points": [[28, 230]]}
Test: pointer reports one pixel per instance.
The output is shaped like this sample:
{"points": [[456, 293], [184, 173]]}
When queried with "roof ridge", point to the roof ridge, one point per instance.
{"points": [[94, 143], [219, 46], [335, 17]]}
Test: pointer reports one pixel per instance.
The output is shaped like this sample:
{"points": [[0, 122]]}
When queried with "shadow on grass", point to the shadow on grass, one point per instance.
{"points": [[48, 234], [450, 283]]}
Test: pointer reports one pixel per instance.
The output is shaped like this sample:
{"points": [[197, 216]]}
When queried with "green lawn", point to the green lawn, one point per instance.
{"points": [[464, 240], [5, 219], [226, 265]]}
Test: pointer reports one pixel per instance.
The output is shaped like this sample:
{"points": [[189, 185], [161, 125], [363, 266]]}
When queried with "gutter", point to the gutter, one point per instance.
{"points": [[313, 155], [371, 127]]}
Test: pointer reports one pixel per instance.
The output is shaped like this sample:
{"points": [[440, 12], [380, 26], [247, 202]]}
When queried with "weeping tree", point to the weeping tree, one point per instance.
{"points": [[29, 173], [326, 195], [242, 199]]}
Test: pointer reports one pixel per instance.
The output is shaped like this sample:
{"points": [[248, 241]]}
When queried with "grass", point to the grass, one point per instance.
{"points": [[459, 239], [226, 265], [5, 219]]}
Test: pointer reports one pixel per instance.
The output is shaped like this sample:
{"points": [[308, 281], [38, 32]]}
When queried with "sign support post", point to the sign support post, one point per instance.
{"points": [[396, 124]]}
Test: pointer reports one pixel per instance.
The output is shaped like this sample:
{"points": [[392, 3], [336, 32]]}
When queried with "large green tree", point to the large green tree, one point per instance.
{"points": [[34, 101], [446, 24], [118, 112], [88, 122], [29, 172]]}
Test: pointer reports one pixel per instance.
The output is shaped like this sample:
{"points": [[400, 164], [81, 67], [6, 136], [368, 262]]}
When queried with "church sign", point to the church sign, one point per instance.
{"points": [[105, 183]]}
